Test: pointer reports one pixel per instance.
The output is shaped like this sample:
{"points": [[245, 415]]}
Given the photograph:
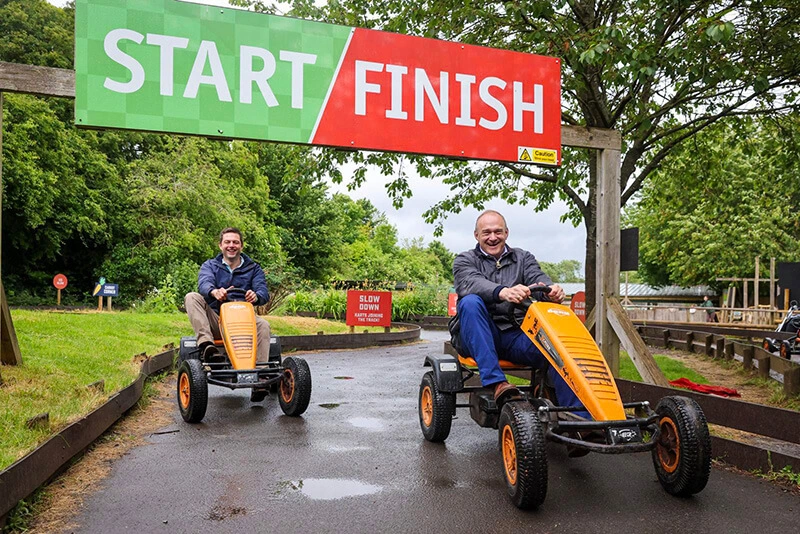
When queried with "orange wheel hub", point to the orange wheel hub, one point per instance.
{"points": [[184, 391], [509, 455], [669, 445], [426, 404], [287, 386]]}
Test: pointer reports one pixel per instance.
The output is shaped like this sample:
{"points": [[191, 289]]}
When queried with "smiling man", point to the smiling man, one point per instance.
{"points": [[229, 269], [491, 280]]}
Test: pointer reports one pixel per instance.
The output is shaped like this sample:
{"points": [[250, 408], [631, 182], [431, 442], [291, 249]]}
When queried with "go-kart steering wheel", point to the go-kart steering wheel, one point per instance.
{"points": [[236, 294]]}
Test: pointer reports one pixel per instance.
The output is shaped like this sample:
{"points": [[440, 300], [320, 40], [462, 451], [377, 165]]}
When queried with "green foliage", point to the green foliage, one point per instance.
{"points": [[723, 198], [564, 271], [419, 301], [160, 300]]}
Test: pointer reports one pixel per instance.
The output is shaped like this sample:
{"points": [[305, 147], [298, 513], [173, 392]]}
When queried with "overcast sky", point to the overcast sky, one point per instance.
{"points": [[541, 233]]}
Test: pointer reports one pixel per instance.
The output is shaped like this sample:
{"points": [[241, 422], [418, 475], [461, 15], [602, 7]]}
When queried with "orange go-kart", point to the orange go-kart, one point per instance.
{"points": [[676, 433], [235, 366]]}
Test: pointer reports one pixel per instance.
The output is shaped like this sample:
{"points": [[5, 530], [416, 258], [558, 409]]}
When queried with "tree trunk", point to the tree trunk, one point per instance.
{"points": [[590, 221]]}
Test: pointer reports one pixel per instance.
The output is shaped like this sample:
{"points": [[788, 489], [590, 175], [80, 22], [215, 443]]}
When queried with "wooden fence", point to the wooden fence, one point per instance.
{"points": [[767, 364], [765, 317]]}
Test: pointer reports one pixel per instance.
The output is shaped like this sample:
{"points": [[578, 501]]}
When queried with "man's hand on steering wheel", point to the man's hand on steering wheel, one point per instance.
{"points": [[515, 294], [221, 293], [251, 296], [556, 294]]}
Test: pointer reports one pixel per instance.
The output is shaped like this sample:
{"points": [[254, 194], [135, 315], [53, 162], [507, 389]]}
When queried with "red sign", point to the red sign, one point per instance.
{"points": [[578, 305], [369, 308], [409, 94], [452, 299], [60, 281]]}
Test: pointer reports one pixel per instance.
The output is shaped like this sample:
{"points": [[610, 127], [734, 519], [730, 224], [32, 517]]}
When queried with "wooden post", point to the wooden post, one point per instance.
{"points": [[755, 283], [665, 335], [108, 303], [719, 351], [608, 198], [771, 286], [747, 357], [729, 351], [708, 339], [99, 303], [690, 341], [785, 299], [791, 381], [763, 365], [58, 297]]}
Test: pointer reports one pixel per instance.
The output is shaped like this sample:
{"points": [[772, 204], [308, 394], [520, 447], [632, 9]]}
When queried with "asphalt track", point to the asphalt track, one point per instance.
{"points": [[357, 462]]}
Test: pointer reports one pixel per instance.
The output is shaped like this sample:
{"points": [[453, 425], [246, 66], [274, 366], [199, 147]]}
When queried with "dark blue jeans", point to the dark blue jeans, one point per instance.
{"points": [[481, 339]]}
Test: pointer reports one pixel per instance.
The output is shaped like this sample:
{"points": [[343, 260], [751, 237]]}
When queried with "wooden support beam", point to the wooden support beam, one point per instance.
{"points": [[42, 81], [9, 347], [634, 345], [607, 276]]}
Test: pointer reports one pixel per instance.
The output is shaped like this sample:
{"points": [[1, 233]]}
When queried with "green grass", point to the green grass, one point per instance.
{"points": [[672, 369], [62, 353]]}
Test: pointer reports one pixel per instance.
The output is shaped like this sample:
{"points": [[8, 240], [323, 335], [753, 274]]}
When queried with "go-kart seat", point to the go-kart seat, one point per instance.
{"points": [[470, 362]]}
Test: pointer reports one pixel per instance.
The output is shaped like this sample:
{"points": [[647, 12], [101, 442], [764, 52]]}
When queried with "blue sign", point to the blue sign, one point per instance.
{"points": [[106, 290]]}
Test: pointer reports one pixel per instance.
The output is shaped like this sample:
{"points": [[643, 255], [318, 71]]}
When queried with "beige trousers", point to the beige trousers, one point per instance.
{"points": [[205, 323]]}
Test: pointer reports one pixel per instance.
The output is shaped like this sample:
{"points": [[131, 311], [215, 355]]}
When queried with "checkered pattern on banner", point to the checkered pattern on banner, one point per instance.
{"points": [[229, 29]]}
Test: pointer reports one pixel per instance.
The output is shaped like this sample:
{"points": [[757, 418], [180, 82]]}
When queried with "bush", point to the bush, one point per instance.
{"points": [[161, 300]]}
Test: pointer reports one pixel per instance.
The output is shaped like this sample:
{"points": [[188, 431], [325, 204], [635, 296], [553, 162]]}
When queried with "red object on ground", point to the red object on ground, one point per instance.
{"points": [[704, 388]]}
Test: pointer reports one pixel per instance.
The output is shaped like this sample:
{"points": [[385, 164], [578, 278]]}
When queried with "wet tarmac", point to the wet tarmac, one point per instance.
{"points": [[356, 461]]}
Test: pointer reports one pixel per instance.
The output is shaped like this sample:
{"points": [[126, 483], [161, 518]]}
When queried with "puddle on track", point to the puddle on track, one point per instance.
{"points": [[369, 423], [328, 489], [343, 378], [329, 405]]}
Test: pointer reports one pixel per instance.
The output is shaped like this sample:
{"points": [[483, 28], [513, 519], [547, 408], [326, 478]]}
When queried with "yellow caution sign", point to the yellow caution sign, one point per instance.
{"points": [[526, 154]]}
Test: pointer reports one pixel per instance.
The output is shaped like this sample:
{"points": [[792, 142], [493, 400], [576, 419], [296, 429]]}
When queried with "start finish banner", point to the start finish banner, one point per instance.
{"points": [[170, 66]]}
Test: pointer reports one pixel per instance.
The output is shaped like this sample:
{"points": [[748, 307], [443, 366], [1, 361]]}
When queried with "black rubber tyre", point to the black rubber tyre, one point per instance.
{"points": [[192, 391], [436, 410], [522, 448], [294, 392], [786, 350], [682, 456], [767, 345]]}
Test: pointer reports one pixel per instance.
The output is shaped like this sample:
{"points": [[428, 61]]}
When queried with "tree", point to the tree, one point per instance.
{"points": [[658, 72], [719, 201], [564, 271]]}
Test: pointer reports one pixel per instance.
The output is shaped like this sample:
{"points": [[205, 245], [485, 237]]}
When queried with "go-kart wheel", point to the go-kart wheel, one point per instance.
{"points": [[436, 410], [786, 350], [682, 456], [294, 392], [767, 345], [192, 391], [522, 445]]}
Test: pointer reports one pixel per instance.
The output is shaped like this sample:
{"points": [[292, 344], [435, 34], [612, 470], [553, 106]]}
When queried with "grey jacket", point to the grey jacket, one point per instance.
{"points": [[482, 275]]}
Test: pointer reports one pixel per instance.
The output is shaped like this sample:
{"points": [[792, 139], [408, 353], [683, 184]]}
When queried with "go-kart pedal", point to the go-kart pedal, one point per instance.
{"points": [[591, 436]]}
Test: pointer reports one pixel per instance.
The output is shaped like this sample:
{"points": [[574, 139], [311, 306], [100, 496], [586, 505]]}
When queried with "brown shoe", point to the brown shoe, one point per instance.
{"points": [[592, 436], [504, 391]]}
